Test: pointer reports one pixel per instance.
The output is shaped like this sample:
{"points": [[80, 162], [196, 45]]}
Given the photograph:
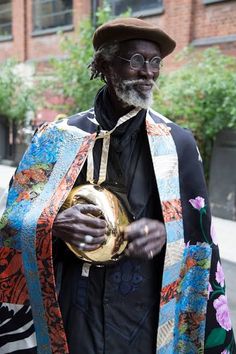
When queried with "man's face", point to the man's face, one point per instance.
{"points": [[134, 86]]}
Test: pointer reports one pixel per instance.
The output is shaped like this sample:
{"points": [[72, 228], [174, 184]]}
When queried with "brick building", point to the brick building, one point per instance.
{"points": [[28, 28]]}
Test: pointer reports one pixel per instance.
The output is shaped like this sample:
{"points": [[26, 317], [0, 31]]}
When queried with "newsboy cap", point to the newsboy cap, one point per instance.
{"points": [[122, 29]]}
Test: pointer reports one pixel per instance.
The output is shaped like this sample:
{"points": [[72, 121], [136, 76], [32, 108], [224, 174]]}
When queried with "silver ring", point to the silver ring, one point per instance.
{"points": [[88, 238], [81, 245], [145, 230], [150, 255]]}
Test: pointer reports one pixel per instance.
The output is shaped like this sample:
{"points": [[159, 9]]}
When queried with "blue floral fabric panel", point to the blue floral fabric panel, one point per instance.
{"points": [[28, 232], [191, 304], [31, 177]]}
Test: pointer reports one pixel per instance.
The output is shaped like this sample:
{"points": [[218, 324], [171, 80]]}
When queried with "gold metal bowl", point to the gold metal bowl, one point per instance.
{"points": [[112, 211]]}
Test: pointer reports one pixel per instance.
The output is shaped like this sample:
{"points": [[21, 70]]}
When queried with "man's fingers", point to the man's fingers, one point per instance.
{"points": [[81, 214], [90, 215], [79, 229], [147, 252], [145, 247], [89, 209], [139, 244], [94, 232], [139, 230]]}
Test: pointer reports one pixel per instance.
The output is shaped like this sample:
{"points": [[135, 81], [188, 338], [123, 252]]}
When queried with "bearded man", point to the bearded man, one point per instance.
{"points": [[166, 293]]}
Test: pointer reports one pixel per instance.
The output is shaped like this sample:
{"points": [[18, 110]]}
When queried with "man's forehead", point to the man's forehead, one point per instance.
{"points": [[139, 46]]}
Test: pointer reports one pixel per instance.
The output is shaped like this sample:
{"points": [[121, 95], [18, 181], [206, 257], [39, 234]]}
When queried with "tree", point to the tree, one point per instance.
{"points": [[71, 76], [200, 95], [16, 96]]}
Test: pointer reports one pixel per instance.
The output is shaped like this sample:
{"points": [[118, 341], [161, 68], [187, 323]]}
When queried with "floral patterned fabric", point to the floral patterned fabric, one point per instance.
{"points": [[192, 299], [51, 163]]}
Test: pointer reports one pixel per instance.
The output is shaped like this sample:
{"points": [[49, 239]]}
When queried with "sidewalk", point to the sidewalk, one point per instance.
{"points": [[226, 236], [6, 172]]}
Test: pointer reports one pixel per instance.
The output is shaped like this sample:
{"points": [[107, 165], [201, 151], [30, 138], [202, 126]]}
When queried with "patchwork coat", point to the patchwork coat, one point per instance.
{"points": [[194, 315]]}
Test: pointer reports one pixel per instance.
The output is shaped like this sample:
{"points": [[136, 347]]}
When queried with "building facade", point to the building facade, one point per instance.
{"points": [[28, 28], [29, 31]]}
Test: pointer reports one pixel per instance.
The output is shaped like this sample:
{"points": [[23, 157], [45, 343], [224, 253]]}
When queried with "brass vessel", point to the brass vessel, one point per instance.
{"points": [[112, 211]]}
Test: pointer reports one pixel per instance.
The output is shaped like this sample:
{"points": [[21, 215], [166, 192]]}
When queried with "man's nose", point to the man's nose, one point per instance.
{"points": [[147, 71]]}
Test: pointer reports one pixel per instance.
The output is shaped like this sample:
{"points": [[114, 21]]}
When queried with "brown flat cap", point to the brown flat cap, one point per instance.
{"points": [[122, 29]]}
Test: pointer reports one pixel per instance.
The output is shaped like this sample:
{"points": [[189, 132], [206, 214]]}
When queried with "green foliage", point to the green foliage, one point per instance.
{"points": [[71, 76], [15, 94], [201, 95]]}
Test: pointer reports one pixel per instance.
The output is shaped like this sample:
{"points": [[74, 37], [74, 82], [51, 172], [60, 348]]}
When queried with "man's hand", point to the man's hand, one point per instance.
{"points": [[146, 238], [76, 227]]}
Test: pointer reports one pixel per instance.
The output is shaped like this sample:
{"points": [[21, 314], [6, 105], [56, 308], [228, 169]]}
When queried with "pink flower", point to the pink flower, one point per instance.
{"points": [[187, 244], [225, 352], [198, 203], [222, 312], [213, 234], [220, 278], [209, 289]]}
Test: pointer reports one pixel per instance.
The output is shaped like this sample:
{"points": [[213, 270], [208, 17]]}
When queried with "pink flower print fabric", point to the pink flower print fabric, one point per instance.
{"points": [[222, 312], [220, 278], [198, 203]]}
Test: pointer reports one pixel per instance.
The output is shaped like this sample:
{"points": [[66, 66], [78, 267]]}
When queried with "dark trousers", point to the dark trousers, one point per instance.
{"points": [[112, 311]]}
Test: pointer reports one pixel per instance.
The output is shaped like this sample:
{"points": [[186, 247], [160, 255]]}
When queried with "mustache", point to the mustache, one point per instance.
{"points": [[140, 82], [137, 81]]}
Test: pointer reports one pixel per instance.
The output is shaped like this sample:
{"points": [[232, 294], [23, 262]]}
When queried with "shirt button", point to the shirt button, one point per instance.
{"points": [[106, 301]]}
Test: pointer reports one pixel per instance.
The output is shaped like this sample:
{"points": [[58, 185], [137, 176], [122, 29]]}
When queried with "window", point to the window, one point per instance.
{"points": [[48, 14], [5, 19], [138, 7]]}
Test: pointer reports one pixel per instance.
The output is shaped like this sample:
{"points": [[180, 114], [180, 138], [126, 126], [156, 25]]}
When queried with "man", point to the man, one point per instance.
{"points": [[167, 293]]}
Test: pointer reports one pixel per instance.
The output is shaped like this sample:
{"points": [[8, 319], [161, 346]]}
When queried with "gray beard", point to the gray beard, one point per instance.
{"points": [[125, 90]]}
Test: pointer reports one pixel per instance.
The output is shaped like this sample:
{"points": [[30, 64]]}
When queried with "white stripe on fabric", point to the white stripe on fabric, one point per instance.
{"points": [[165, 166], [174, 252], [22, 344], [165, 334], [25, 343]]}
